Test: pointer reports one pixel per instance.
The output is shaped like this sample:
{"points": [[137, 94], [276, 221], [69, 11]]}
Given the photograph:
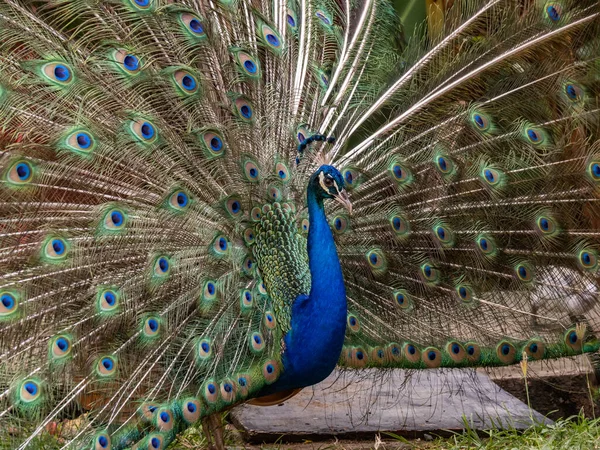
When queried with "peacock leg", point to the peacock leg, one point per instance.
{"points": [[217, 429], [212, 427]]}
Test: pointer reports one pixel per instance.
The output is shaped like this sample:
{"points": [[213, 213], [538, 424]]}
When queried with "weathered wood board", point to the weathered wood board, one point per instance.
{"points": [[394, 400]]}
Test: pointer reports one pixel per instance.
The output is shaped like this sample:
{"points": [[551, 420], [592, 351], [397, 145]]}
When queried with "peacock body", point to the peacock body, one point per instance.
{"points": [[166, 169]]}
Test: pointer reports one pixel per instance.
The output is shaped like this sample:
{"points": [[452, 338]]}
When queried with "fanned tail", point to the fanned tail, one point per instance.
{"points": [[474, 239], [140, 142]]}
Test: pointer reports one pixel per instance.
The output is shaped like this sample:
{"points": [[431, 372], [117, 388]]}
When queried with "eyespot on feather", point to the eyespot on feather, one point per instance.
{"points": [[246, 300], [126, 61], [456, 351], [358, 357], [292, 19], [274, 193], [214, 144], [411, 353], [304, 225], [193, 26], [394, 352], [106, 366], [228, 390], [186, 82], [154, 441], [107, 301], [473, 351], [444, 165], [593, 169], [400, 225], [431, 357], [270, 321], [402, 300], [464, 293], [324, 17], [210, 391], [164, 420], [430, 273], [302, 133], [244, 109], [573, 341], [220, 246], [179, 201], [29, 391], [205, 349], [146, 412], [547, 225], [60, 347], [251, 171], [9, 304], [55, 249], [248, 65], [524, 272], [352, 178], [102, 441], [535, 349], [151, 326], [535, 136], [143, 131], [141, 5], [162, 267], [340, 224], [553, 12], [19, 173], [353, 323], [256, 214], [574, 93], [270, 371], [115, 220], [506, 352], [378, 356], [80, 141], [233, 206], [487, 245], [444, 235], [249, 236], [587, 259], [270, 37], [376, 260], [248, 266], [492, 177], [481, 122], [282, 172], [59, 73], [400, 173], [256, 342], [209, 292], [191, 409], [243, 382], [260, 289]]}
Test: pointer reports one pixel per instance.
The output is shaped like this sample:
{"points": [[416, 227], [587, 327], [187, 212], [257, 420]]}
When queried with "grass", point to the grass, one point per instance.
{"points": [[574, 433]]}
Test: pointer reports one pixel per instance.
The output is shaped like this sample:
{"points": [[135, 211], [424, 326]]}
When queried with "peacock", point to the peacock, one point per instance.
{"points": [[208, 202]]}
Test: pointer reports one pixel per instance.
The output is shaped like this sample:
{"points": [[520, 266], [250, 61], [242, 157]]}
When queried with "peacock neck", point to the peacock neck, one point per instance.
{"points": [[327, 281], [318, 321]]}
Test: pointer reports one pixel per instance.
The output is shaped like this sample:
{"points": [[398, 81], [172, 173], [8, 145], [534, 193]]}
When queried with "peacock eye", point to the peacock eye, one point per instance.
{"points": [[328, 181]]}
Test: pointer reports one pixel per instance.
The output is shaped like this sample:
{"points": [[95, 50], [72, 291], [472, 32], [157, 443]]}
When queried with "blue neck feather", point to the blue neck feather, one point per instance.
{"points": [[318, 326]]}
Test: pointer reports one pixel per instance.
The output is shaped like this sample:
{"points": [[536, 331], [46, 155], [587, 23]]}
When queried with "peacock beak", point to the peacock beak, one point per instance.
{"points": [[342, 197]]}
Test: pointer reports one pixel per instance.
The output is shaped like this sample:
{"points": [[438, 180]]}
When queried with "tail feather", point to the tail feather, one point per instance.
{"points": [[473, 200]]}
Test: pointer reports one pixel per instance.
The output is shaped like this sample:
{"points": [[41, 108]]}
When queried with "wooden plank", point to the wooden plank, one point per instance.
{"points": [[371, 400]]}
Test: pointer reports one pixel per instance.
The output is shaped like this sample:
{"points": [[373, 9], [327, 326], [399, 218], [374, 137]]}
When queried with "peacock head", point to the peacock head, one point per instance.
{"points": [[328, 182]]}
